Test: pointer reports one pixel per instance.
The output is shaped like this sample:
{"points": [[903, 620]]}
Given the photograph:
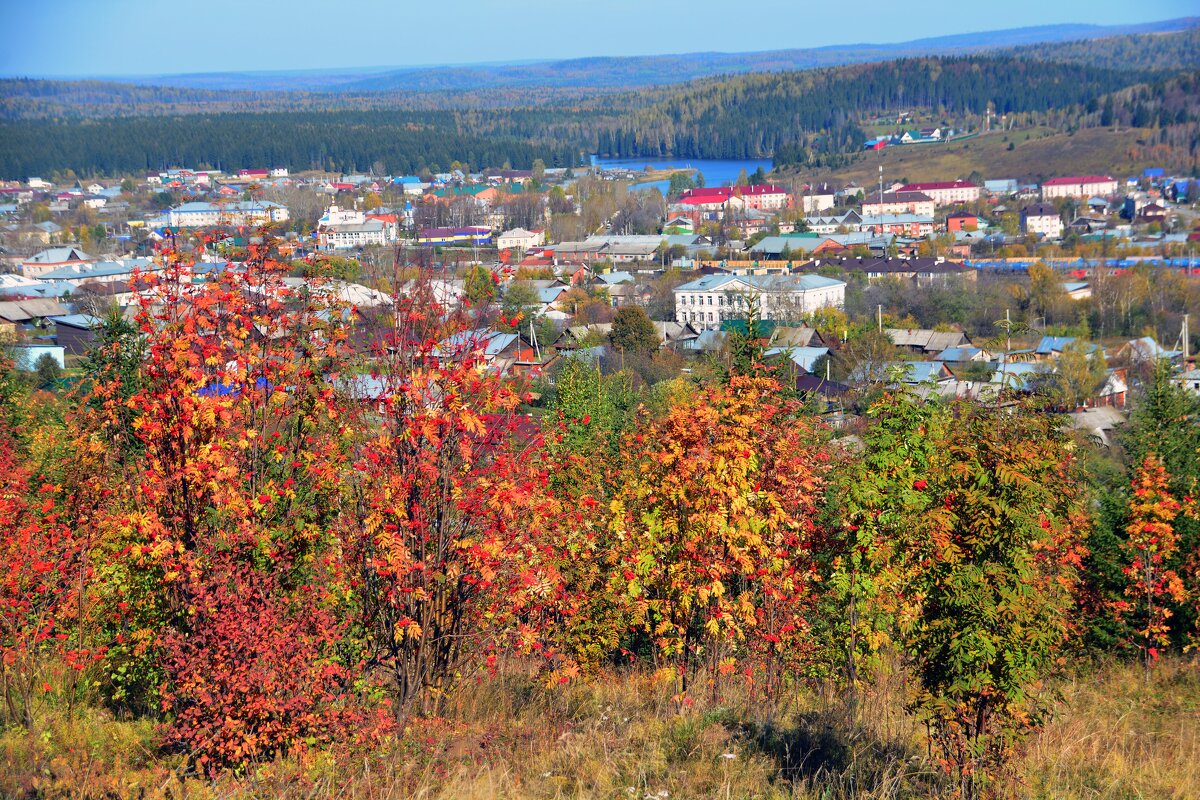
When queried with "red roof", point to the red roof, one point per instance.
{"points": [[924, 187], [1077, 180]]}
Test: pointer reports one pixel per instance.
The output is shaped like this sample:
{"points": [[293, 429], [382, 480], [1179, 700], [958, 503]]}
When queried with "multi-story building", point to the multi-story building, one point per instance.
{"points": [[1079, 186], [200, 215], [917, 203], [911, 225], [1042, 219], [761, 198], [342, 228], [708, 301], [944, 193]]}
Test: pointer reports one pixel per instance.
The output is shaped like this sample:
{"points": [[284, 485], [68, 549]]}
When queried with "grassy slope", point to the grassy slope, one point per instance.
{"points": [[623, 737], [1038, 153]]}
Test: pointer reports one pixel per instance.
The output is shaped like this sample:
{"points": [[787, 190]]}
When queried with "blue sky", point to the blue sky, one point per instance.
{"points": [[145, 37]]}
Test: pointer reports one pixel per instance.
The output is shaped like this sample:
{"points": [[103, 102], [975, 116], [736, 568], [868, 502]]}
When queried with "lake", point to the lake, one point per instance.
{"points": [[717, 172]]}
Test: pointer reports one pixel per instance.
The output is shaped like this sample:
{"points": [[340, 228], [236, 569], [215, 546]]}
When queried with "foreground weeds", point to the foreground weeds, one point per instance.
{"points": [[624, 736]]}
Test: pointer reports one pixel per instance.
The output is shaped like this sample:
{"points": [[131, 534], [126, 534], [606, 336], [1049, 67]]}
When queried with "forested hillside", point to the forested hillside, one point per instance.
{"points": [[1157, 51], [809, 119]]}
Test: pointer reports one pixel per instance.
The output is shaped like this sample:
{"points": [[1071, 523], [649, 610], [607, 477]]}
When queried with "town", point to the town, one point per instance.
{"points": [[589, 402], [818, 267]]}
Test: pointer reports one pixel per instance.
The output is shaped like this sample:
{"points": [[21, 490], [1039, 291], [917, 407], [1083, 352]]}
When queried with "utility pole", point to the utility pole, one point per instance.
{"points": [[879, 316]]}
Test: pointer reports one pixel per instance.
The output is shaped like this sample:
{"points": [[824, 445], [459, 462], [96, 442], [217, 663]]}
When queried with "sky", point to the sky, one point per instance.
{"points": [[80, 38]]}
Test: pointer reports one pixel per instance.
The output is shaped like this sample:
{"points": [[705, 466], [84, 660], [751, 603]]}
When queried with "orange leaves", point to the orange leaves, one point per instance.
{"points": [[710, 498], [1152, 542]]}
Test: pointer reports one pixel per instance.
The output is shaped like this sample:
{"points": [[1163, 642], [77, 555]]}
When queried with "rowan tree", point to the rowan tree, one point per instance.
{"points": [[996, 586], [1150, 547], [713, 530]]}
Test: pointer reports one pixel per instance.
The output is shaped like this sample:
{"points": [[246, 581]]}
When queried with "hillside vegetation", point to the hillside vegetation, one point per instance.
{"points": [[1037, 153], [803, 119]]}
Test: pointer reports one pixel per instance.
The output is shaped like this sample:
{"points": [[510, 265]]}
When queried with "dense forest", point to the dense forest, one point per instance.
{"points": [[335, 141], [806, 118]]}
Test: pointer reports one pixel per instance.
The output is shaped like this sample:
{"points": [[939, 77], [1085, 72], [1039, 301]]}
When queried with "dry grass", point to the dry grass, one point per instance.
{"points": [[1121, 737], [623, 736], [1036, 152]]}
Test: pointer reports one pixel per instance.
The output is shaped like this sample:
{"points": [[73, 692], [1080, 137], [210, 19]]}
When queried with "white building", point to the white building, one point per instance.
{"points": [[38, 183], [944, 193], [200, 215], [520, 239], [1079, 186], [343, 228], [818, 198], [708, 301], [54, 258], [1042, 219], [917, 203]]}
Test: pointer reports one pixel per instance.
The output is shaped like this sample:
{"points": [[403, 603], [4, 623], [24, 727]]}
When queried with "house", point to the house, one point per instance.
{"points": [[1097, 423], [1077, 290], [817, 198], [1152, 212], [962, 221], [1042, 219], [1145, 350], [470, 235], [1080, 186], [850, 221], [917, 203], [1189, 380], [963, 355], [944, 193], [49, 260], [713, 299], [520, 239], [76, 332], [340, 229], [926, 342], [910, 225]]}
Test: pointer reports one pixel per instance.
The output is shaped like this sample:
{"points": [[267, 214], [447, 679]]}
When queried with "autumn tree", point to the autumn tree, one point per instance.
{"points": [[444, 534], [1151, 547], [713, 531]]}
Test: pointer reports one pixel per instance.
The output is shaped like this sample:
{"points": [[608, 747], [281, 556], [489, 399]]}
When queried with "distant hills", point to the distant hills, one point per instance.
{"points": [[632, 71]]}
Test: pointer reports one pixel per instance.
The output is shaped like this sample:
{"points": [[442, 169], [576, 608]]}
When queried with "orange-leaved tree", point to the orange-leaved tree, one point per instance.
{"points": [[450, 540], [1151, 545], [713, 529], [224, 525]]}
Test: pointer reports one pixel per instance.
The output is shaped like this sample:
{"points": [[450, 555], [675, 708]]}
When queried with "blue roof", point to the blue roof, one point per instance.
{"points": [[550, 293], [712, 283], [1053, 344], [959, 354], [613, 278], [1018, 373], [804, 357], [78, 321]]}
